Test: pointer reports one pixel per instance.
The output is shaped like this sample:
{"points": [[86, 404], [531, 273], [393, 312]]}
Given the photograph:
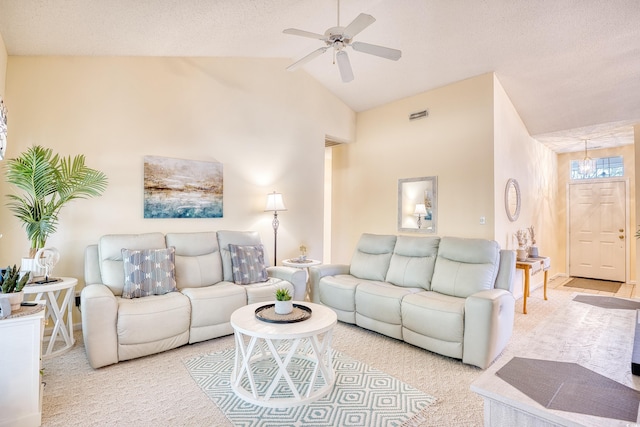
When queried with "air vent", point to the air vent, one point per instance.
{"points": [[331, 143], [419, 115]]}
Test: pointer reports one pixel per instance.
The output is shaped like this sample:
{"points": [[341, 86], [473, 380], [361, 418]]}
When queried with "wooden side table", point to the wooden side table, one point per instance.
{"points": [[534, 265], [62, 325]]}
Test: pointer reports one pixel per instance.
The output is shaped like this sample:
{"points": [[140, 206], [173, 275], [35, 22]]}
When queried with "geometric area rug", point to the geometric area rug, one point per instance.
{"points": [[571, 387], [361, 396]]}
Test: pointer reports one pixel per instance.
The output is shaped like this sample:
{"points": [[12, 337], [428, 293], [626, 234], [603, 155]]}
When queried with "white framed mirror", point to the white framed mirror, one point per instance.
{"points": [[418, 204], [512, 199]]}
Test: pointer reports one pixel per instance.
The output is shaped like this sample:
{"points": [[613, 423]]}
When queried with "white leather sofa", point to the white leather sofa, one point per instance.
{"points": [[452, 296], [117, 328]]}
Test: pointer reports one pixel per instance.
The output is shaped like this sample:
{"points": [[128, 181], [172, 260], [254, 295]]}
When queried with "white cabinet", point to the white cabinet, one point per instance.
{"points": [[20, 350]]}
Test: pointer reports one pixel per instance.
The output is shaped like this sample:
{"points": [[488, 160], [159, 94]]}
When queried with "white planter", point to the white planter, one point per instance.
{"points": [[284, 307], [522, 254], [14, 298]]}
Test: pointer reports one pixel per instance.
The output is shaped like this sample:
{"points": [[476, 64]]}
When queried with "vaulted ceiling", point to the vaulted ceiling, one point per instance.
{"points": [[570, 67]]}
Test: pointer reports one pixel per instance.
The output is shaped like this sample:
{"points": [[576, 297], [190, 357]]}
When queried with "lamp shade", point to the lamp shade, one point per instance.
{"points": [[420, 209], [274, 202]]}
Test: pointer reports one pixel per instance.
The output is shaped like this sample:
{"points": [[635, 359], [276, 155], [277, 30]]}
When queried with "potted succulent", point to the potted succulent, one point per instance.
{"points": [[11, 285], [284, 305], [47, 182]]}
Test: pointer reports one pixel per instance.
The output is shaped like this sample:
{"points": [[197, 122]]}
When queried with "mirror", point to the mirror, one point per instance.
{"points": [[512, 199], [418, 204]]}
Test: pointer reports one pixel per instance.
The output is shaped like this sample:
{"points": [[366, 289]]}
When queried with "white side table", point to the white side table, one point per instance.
{"points": [[257, 340], [62, 325], [297, 263]]}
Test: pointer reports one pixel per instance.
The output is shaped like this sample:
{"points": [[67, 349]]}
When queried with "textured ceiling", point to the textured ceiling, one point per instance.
{"points": [[570, 67]]}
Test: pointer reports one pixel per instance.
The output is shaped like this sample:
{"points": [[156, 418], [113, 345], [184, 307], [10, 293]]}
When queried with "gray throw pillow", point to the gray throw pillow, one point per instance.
{"points": [[247, 263], [148, 272]]}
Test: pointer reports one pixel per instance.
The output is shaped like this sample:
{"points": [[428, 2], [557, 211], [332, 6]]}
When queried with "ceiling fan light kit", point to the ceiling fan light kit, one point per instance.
{"points": [[339, 38]]}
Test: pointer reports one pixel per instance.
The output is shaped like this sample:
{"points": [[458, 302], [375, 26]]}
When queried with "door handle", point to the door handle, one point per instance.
{"points": [[621, 230], [621, 237]]}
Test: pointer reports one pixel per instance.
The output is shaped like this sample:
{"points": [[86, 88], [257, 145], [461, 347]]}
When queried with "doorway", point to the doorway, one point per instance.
{"points": [[597, 222]]}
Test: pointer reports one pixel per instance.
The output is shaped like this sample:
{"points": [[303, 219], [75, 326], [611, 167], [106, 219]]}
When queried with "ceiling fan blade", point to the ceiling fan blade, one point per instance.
{"points": [[372, 49], [345, 66], [307, 58], [361, 22], [302, 33]]}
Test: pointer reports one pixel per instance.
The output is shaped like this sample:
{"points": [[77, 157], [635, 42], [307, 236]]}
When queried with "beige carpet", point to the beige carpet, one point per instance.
{"points": [[158, 390]]}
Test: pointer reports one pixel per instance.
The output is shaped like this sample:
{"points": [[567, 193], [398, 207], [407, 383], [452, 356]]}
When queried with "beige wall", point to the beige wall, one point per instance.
{"points": [[519, 156], [267, 126], [455, 143], [628, 153], [473, 141], [3, 66], [634, 225]]}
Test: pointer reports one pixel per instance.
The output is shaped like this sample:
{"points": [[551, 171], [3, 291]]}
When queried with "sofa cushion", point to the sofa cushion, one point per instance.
{"points": [[339, 292], [465, 266], [372, 256], [148, 272], [413, 261], [247, 262], [110, 255], [225, 238], [378, 307], [434, 321], [211, 308], [266, 291], [152, 325], [198, 260]]}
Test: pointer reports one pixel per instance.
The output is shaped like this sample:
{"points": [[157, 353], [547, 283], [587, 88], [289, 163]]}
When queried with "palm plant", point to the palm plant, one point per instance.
{"points": [[48, 182]]}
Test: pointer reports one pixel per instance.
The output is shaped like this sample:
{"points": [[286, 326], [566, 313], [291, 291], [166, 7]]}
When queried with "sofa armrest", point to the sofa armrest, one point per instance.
{"points": [[506, 270], [99, 308], [488, 324], [92, 265], [295, 276], [318, 272]]}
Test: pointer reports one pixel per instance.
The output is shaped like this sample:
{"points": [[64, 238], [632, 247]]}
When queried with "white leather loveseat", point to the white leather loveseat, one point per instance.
{"points": [[449, 295], [117, 328]]}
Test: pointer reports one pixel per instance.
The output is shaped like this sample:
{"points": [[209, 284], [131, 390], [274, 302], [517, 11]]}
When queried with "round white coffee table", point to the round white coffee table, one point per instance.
{"points": [[62, 325], [264, 348]]}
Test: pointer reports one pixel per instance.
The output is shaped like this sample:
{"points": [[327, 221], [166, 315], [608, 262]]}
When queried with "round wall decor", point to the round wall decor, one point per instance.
{"points": [[512, 199]]}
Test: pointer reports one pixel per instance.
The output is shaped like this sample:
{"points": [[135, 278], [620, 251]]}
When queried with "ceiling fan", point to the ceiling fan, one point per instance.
{"points": [[339, 38]]}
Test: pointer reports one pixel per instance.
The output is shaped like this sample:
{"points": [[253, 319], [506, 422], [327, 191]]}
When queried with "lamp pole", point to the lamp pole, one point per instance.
{"points": [[275, 224], [275, 204]]}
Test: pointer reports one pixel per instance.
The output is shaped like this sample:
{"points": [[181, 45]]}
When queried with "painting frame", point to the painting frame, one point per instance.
{"points": [[180, 188]]}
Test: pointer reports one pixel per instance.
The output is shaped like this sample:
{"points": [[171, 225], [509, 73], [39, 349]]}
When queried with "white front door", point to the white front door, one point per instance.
{"points": [[597, 230]]}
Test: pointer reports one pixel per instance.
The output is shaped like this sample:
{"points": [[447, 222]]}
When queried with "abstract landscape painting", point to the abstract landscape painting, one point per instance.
{"points": [[176, 188]]}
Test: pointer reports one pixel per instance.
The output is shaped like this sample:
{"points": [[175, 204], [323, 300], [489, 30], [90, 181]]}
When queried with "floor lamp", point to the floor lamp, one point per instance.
{"points": [[275, 204]]}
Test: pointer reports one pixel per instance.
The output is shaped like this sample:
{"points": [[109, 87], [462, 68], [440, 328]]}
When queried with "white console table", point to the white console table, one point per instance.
{"points": [[59, 297], [20, 384]]}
